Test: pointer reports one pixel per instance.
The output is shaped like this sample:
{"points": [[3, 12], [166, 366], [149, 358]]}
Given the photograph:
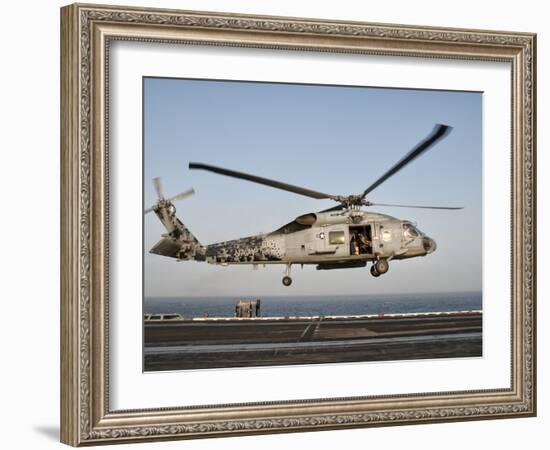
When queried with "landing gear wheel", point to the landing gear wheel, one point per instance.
{"points": [[382, 266], [374, 272], [287, 281]]}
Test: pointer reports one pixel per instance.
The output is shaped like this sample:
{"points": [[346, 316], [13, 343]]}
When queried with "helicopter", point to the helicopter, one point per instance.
{"points": [[341, 237]]}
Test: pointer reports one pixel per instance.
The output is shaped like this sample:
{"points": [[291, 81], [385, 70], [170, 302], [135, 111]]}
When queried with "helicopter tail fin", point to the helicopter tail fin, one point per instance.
{"points": [[178, 242]]}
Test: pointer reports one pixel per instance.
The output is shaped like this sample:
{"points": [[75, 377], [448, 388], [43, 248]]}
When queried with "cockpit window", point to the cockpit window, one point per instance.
{"points": [[410, 231]]}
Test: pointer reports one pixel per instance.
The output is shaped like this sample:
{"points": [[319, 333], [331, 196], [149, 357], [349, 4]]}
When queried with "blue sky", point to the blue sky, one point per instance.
{"points": [[334, 139]]}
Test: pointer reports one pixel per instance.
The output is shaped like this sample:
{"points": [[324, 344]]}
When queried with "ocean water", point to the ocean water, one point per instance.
{"points": [[334, 305]]}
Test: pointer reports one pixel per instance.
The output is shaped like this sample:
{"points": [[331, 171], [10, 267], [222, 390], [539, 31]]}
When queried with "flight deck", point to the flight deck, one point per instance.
{"points": [[216, 342]]}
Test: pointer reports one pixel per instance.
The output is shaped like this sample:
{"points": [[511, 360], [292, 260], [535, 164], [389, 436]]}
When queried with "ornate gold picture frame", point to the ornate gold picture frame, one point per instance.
{"points": [[87, 32]]}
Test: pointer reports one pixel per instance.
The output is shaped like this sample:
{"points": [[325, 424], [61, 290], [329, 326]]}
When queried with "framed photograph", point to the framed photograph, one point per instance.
{"points": [[275, 224]]}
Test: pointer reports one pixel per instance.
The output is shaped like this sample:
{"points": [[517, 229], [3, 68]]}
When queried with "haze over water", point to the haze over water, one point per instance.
{"points": [[334, 305]]}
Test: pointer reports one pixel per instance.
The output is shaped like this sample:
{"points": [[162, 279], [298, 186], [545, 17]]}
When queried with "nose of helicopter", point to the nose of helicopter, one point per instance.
{"points": [[429, 244]]}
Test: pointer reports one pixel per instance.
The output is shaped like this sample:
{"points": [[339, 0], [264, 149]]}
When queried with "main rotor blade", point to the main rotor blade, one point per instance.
{"points": [[438, 133], [158, 187], [260, 180], [412, 206], [182, 195], [148, 210], [334, 208]]}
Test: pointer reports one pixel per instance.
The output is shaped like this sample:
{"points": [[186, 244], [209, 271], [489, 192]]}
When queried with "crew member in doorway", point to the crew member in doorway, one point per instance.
{"points": [[354, 245], [364, 244]]}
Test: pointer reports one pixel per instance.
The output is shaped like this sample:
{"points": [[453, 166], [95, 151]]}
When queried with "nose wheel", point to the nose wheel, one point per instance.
{"points": [[287, 281]]}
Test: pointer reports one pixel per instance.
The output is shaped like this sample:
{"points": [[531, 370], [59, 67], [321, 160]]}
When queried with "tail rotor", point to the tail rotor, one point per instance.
{"points": [[182, 195], [164, 202]]}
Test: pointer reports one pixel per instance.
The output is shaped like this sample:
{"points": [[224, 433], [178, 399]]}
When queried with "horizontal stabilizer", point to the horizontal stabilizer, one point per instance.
{"points": [[166, 247]]}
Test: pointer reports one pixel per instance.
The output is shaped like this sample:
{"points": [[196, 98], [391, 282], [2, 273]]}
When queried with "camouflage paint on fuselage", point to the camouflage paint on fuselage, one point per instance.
{"points": [[245, 250]]}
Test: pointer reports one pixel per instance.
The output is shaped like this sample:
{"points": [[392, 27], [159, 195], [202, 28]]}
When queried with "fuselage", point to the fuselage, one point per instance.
{"points": [[331, 240]]}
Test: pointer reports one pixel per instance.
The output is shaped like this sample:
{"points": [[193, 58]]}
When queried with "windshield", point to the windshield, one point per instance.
{"points": [[410, 231]]}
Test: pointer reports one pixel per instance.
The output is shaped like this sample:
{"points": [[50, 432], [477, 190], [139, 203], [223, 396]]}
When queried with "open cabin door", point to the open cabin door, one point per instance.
{"points": [[360, 240]]}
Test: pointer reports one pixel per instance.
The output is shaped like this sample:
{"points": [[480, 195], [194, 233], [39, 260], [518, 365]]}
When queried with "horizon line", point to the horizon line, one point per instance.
{"points": [[316, 295]]}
